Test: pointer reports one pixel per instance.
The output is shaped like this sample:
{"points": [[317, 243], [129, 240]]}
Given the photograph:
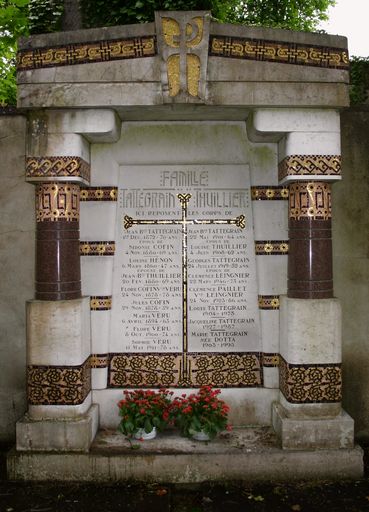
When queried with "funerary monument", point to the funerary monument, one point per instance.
{"points": [[182, 172]]}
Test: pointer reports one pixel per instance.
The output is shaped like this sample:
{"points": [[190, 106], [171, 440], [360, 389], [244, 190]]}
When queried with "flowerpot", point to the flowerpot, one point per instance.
{"points": [[145, 436], [201, 436]]}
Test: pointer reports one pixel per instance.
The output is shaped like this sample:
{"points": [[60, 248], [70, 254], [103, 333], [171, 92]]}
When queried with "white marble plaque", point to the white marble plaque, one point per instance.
{"points": [[184, 271]]}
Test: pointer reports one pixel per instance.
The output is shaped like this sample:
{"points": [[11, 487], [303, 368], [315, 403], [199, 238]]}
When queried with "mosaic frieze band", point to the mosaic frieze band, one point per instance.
{"points": [[310, 165], [97, 248], [86, 53], [99, 194], [268, 302], [153, 370], [271, 247], [310, 200], [57, 201], [58, 385], [270, 360], [304, 384], [278, 51], [100, 302], [99, 360], [271, 193], [66, 168]]}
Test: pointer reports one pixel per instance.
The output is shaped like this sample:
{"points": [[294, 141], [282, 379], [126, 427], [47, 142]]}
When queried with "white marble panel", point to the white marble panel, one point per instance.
{"points": [[296, 120], [104, 166], [97, 220], [97, 275], [270, 220], [272, 274], [249, 406], [99, 378], [270, 330], [271, 378], [310, 330], [45, 412], [263, 160], [299, 143], [100, 324], [58, 332]]}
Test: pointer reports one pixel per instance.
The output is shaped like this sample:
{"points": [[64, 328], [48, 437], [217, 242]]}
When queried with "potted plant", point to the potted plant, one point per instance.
{"points": [[144, 412], [200, 415]]}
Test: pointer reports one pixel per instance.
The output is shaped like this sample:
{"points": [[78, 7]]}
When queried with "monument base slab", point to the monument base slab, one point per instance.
{"points": [[242, 455], [62, 435], [312, 434]]}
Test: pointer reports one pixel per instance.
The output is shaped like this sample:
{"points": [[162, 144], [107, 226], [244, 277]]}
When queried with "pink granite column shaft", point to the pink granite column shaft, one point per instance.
{"points": [[58, 274], [310, 245]]}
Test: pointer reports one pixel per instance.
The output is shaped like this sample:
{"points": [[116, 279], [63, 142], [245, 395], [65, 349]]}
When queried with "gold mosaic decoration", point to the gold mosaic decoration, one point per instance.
{"points": [[58, 385], [99, 360], [268, 301], [155, 370], [310, 165], [193, 34], [271, 193], [310, 200], [71, 168], [100, 302], [304, 384], [271, 247], [278, 51], [99, 194], [86, 53], [99, 248], [270, 360], [56, 202]]}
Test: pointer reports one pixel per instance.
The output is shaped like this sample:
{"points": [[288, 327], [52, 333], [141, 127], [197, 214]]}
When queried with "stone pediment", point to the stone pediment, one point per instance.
{"points": [[182, 58]]}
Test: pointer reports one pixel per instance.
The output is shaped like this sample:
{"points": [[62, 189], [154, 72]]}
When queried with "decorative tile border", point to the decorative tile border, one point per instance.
{"points": [[71, 168], [270, 360], [307, 384], [309, 165], [99, 360], [58, 385], [100, 302], [99, 194], [268, 301], [55, 202], [97, 248], [155, 370], [272, 193], [311, 200], [271, 247], [87, 53], [278, 51]]}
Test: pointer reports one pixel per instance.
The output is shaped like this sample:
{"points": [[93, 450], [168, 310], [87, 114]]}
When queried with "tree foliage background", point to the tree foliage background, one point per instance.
{"points": [[23, 17]]}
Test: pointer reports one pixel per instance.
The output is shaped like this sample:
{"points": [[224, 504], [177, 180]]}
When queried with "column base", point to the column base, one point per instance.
{"points": [[314, 433], [67, 434]]}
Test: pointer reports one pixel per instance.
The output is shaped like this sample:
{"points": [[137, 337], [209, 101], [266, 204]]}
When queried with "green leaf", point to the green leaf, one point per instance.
{"points": [[148, 426]]}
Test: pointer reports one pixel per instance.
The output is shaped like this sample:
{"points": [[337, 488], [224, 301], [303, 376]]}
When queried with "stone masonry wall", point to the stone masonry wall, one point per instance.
{"points": [[351, 263], [17, 227]]}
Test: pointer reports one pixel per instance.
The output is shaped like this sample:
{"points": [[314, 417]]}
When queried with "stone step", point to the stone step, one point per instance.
{"points": [[245, 454]]}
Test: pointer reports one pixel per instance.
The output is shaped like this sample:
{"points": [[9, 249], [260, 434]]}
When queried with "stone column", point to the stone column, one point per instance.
{"points": [[61, 415], [309, 413]]}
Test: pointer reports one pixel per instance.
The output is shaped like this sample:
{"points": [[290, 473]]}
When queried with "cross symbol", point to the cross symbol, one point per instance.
{"points": [[240, 222]]}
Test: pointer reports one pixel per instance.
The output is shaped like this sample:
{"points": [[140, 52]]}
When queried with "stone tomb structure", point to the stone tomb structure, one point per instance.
{"points": [[183, 174]]}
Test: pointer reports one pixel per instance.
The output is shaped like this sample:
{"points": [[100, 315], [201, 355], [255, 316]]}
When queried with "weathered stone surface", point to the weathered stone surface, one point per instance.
{"points": [[69, 434], [17, 224], [313, 434], [244, 455]]}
